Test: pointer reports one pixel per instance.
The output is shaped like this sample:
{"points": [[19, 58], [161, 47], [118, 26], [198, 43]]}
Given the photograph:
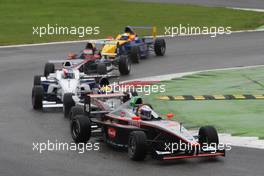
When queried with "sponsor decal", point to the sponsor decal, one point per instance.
{"points": [[122, 114], [111, 132]]}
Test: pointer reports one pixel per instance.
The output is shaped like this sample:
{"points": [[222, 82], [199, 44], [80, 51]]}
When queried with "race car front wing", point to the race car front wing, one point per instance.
{"points": [[165, 155]]}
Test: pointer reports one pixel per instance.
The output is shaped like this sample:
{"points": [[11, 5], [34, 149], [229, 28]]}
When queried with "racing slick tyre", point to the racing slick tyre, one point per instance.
{"points": [[37, 97], [75, 110], [49, 68], [159, 47], [137, 145], [124, 65], [135, 54], [68, 103], [101, 68], [208, 136], [37, 80], [80, 129]]}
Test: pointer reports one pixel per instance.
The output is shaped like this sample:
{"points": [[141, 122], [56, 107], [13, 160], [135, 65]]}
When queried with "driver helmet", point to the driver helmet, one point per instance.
{"points": [[68, 73], [129, 30], [88, 51], [124, 36], [67, 64], [85, 88], [145, 112]]}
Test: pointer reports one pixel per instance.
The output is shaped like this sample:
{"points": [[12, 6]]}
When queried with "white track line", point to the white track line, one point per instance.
{"points": [[179, 75], [241, 141], [43, 44], [246, 9], [80, 41]]}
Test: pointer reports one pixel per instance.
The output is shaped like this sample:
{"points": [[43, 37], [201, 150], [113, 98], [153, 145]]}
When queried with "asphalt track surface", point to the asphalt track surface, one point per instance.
{"points": [[20, 125], [257, 4]]}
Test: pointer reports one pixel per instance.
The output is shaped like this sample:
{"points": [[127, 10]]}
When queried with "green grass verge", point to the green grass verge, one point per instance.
{"points": [[261, 27], [238, 117], [17, 17]]}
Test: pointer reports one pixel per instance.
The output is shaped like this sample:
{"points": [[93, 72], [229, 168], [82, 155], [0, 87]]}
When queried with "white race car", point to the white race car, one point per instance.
{"points": [[57, 87]]}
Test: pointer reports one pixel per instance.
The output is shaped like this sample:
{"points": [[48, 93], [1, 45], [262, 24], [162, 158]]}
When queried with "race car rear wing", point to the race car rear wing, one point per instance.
{"points": [[152, 28], [102, 41], [94, 99], [100, 76], [74, 63], [61, 61]]}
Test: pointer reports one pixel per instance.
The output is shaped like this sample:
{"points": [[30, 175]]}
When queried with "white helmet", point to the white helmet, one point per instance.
{"points": [[85, 88]]}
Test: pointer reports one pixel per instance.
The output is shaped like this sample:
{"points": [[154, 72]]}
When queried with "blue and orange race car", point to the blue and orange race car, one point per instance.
{"points": [[104, 56], [134, 47]]}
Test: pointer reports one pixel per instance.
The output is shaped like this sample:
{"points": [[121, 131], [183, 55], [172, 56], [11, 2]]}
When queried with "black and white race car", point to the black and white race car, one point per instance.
{"points": [[57, 87], [126, 122]]}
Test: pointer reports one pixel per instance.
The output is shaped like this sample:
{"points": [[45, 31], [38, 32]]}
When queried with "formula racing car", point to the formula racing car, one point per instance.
{"points": [[56, 87], [92, 61], [130, 45], [127, 122]]}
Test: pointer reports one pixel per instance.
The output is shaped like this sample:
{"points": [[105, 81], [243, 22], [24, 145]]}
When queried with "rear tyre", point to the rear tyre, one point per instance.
{"points": [[208, 136], [160, 47], [68, 103], [124, 65], [37, 97], [75, 110], [80, 129], [49, 68], [101, 68], [135, 54], [37, 80], [137, 146]]}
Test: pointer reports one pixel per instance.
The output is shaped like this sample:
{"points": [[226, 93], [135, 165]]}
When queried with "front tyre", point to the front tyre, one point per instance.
{"points": [[76, 110], [37, 97], [80, 129], [68, 103], [124, 65], [37, 80], [160, 47], [49, 68], [208, 136], [101, 68], [135, 54], [137, 146]]}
